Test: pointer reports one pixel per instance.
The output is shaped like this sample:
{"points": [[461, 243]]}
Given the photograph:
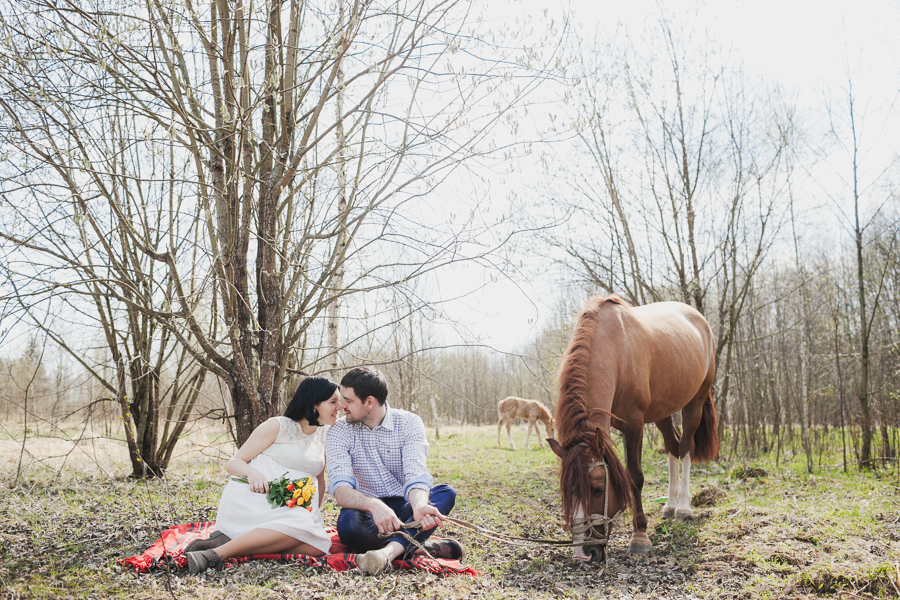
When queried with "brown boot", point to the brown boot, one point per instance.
{"points": [[201, 561], [214, 541], [446, 548]]}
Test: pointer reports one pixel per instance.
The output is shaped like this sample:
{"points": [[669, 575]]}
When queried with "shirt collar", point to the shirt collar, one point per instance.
{"points": [[387, 423]]}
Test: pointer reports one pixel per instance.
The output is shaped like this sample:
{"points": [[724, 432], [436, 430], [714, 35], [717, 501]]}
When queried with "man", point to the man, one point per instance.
{"points": [[377, 474]]}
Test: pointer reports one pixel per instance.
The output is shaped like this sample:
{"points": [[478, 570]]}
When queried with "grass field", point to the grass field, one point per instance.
{"points": [[764, 531]]}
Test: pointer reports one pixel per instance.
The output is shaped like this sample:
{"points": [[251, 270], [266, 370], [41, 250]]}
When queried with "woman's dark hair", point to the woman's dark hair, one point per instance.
{"points": [[311, 391], [366, 381]]}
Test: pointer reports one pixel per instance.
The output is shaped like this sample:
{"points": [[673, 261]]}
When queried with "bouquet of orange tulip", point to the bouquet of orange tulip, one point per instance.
{"points": [[292, 493]]}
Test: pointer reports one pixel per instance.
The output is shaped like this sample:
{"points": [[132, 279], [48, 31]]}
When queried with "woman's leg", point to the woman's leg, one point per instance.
{"points": [[265, 541]]}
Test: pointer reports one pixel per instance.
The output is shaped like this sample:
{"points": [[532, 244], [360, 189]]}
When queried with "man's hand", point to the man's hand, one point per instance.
{"points": [[385, 519], [429, 516]]}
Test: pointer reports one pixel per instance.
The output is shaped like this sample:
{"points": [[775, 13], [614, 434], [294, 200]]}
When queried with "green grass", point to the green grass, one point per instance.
{"points": [[784, 534]]}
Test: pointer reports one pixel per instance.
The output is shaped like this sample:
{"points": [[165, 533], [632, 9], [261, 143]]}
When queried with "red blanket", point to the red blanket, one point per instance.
{"points": [[172, 542]]}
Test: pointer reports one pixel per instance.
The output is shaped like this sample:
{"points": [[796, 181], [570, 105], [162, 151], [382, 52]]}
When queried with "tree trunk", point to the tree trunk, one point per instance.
{"points": [[249, 412], [865, 457], [334, 307]]}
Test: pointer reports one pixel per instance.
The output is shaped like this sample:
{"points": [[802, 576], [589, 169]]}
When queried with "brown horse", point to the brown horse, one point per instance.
{"points": [[511, 408], [626, 367]]}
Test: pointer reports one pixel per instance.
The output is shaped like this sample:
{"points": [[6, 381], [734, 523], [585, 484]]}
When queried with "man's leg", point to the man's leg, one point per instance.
{"points": [[357, 530]]}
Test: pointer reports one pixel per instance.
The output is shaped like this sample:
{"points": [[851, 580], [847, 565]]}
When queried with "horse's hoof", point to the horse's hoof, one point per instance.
{"points": [[634, 548], [668, 512], [640, 544], [683, 514]]}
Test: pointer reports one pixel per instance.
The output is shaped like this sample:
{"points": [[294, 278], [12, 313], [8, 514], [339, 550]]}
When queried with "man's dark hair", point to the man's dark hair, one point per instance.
{"points": [[366, 382], [310, 392]]}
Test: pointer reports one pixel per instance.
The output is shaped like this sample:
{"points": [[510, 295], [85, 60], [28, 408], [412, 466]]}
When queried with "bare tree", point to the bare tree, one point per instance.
{"points": [[82, 265], [857, 219], [250, 235], [863, 314]]}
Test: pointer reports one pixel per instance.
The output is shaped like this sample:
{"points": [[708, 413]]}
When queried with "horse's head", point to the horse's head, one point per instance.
{"points": [[551, 432], [595, 487]]}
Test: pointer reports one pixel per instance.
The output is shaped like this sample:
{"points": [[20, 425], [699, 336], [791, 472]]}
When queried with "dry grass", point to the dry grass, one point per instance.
{"points": [[73, 512], [80, 449]]}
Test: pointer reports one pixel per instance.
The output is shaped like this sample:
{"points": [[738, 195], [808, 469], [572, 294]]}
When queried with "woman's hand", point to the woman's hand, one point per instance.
{"points": [[257, 482]]}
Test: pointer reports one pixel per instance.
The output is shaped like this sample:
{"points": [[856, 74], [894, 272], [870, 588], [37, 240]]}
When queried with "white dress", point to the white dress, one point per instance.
{"points": [[293, 454]]}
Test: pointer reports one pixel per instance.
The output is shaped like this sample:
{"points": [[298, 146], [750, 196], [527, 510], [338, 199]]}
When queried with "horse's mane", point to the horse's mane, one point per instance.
{"points": [[543, 410], [573, 410], [573, 417]]}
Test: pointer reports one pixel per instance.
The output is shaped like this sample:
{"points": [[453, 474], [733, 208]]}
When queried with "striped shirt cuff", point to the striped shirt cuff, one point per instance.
{"points": [[422, 482], [342, 481]]}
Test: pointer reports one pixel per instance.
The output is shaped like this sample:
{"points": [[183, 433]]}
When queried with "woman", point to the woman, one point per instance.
{"points": [[291, 446]]}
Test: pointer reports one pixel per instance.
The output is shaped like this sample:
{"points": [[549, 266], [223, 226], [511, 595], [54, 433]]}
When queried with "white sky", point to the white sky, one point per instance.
{"points": [[808, 47]]}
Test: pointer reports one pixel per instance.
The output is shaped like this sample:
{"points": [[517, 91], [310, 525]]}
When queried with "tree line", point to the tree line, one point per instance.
{"points": [[203, 203]]}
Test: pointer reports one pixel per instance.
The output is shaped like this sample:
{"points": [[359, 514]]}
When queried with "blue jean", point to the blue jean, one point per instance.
{"points": [[357, 529]]}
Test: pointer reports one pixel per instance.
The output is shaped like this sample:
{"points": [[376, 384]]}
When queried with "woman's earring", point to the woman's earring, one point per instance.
{"points": [[316, 415]]}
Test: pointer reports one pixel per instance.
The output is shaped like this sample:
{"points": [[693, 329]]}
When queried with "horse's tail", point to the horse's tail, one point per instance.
{"points": [[706, 438]]}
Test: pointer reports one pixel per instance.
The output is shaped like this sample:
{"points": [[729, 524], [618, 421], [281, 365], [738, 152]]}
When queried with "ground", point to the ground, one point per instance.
{"points": [[762, 530]]}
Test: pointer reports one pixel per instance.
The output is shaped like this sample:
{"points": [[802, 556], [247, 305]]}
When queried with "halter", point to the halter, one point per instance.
{"points": [[588, 525]]}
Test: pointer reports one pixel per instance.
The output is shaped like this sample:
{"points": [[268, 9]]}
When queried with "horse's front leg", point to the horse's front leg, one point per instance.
{"points": [[640, 541]]}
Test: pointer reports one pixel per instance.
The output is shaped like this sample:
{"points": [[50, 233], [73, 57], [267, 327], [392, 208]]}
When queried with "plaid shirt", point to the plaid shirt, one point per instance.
{"points": [[388, 460]]}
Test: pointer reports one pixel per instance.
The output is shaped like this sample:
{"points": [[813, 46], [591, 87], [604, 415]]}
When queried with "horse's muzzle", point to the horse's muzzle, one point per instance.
{"points": [[597, 554]]}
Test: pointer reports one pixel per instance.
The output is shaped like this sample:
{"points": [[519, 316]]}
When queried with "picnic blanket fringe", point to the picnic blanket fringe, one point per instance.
{"points": [[172, 542]]}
